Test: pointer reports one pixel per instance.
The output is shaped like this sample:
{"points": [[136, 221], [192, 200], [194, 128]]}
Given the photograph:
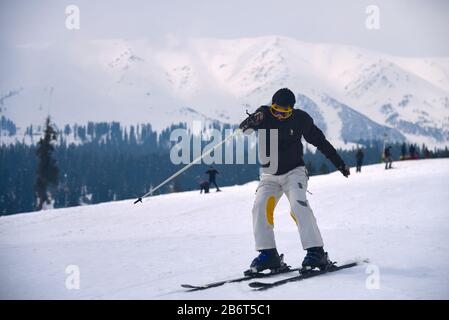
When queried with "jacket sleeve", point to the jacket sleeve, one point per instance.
{"points": [[315, 136], [254, 121]]}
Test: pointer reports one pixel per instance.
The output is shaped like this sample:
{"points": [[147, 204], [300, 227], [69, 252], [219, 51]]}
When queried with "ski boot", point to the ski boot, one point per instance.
{"points": [[316, 258], [268, 259]]}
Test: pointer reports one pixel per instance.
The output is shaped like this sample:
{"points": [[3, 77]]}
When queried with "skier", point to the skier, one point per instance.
{"points": [[388, 158], [204, 186], [212, 172], [290, 179], [359, 157]]}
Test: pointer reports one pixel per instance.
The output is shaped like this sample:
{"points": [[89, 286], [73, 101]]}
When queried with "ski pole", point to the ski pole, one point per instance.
{"points": [[187, 166]]}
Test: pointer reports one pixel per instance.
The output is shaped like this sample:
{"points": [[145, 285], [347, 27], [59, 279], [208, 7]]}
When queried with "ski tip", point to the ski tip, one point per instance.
{"points": [[357, 261], [366, 260], [188, 286], [257, 284], [361, 260]]}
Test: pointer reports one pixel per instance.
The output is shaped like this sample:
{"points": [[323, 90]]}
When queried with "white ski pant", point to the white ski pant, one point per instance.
{"points": [[271, 187]]}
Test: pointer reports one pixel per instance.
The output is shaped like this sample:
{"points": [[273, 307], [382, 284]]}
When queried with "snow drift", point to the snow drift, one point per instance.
{"points": [[396, 218]]}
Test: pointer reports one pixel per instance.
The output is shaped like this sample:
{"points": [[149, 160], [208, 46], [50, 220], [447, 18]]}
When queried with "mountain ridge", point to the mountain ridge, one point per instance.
{"points": [[137, 81]]}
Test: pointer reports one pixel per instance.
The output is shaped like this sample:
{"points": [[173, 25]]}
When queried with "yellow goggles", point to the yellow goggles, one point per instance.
{"points": [[280, 112]]}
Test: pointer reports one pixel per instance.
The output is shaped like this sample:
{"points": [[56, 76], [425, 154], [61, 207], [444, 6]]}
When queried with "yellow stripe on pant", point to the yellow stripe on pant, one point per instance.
{"points": [[294, 218], [271, 203]]}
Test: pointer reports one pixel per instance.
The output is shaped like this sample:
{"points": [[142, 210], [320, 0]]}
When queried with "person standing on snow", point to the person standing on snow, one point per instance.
{"points": [[212, 172], [289, 179], [388, 158], [359, 157]]}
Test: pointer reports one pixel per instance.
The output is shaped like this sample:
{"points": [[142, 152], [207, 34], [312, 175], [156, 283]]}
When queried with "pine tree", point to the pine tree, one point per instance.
{"points": [[47, 171], [324, 169]]}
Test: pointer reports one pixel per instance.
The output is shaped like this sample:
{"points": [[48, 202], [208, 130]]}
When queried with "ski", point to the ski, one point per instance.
{"points": [[244, 278], [304, 275]]}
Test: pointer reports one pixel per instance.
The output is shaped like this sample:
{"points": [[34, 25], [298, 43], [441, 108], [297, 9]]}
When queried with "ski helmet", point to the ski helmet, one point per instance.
{"points": [[284, 98], [282, 104]]}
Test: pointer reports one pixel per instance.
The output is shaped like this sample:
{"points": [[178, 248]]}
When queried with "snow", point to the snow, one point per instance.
{"points": [[397, 218]]}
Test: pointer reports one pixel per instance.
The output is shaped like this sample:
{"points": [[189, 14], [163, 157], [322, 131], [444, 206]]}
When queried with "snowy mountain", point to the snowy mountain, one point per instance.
{"points": [[396, 218], [355, 93]]}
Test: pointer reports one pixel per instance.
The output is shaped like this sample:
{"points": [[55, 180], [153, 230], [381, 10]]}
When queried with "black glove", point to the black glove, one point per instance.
{"points": [[344, 169], [252, 121]]}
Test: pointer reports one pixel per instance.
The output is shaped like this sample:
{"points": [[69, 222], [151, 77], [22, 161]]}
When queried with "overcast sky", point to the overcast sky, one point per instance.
{"points": [[407, 28]]}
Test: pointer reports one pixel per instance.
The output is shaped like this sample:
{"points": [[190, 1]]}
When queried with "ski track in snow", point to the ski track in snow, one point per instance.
{"points": [[396, 218]]}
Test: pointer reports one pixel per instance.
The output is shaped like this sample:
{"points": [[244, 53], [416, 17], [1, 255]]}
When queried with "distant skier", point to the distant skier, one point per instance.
{"points": [[204, 186], [212, 172], [388, 158], [289, 179], [359, 159]]}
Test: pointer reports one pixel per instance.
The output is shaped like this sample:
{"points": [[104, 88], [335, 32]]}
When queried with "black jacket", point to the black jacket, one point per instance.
{"points": [[290, 132], [212, 172], [359, 156]]}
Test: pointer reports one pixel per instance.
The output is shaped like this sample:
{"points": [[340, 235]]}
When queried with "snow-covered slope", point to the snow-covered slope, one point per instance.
{"points": [[397, 218], [209, 79]]}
